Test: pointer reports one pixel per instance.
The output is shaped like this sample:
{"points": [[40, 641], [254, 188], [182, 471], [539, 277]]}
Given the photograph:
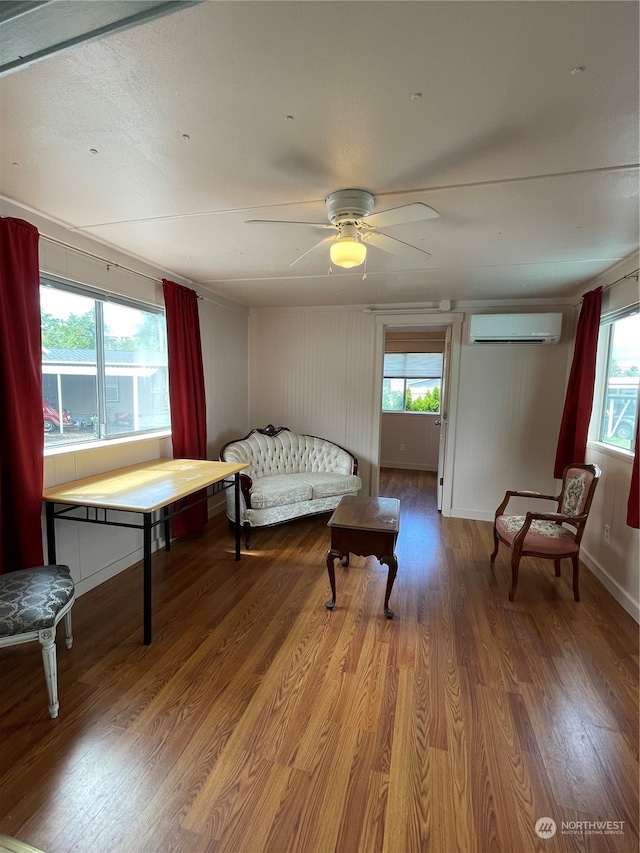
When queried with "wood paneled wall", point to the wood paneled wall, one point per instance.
{"points": [[313, 371]]}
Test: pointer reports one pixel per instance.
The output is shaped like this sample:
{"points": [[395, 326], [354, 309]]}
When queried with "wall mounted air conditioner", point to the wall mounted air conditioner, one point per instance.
{"points": [[515, 328]]}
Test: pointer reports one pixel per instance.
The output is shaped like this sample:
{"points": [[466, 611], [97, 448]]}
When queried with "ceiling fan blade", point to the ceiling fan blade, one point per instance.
{"points": [[401, 215], [395, 246], [321, 248], [287, 222]]}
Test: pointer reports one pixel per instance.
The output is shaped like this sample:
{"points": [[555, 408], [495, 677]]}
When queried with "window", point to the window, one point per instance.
{"points": [[618, 398], [104, 365], [411, 382]]}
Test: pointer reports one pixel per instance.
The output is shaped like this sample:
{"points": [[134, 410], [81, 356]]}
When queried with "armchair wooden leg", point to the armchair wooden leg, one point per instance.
{"points": [[496, 543], [556, 563], [515, 565], [247, 535], [576, 577]]}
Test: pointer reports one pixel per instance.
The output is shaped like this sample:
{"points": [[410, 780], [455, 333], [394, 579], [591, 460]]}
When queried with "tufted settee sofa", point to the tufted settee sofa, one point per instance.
{"points": [[289, 475]]}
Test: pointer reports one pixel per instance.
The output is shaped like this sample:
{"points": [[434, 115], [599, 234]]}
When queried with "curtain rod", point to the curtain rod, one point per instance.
{"points": [[633, 274], [104, 260]]}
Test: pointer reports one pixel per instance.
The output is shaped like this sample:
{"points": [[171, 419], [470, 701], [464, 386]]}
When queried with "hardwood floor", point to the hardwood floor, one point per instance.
{"points": [[258, 721]]}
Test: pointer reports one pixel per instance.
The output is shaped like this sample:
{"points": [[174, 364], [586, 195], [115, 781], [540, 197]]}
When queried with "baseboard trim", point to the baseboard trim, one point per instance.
{"points": [[612, 586], [409, 466], [472, 514], [13, 845]]}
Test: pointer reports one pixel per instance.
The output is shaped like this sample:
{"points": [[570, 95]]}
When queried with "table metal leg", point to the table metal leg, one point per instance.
{"points": [[51, 532], [167, 527], [146, 570], [236, 486]]}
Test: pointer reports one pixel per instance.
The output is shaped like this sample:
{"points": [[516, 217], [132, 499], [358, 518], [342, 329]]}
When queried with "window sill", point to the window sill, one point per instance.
{"points": [[83, 446], [608, 450], [396, 412]]}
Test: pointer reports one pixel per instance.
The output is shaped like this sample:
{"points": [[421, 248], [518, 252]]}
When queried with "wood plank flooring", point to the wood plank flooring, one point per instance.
{"points": [[259, 722]]}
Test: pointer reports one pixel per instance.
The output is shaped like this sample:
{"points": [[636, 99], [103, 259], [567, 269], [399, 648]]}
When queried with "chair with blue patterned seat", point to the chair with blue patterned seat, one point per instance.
{"points": [[550, 535], [32, 602]]}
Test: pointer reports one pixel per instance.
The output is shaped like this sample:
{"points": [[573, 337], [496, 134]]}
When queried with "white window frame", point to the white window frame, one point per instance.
{"points": [[603, 357], [102, 434], [413, 376]]}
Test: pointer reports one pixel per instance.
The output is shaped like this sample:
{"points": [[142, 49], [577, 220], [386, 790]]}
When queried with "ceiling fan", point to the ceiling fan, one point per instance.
{"points": [[354, 228]]}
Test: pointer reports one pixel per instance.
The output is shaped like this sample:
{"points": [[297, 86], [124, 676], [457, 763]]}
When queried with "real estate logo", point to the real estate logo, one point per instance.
{"points": [[545, 827]]}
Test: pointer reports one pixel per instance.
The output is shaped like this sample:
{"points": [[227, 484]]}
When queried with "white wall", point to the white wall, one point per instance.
{"points": [[224, 332], [95, 553], [409, 440], [510, 401], [312, 370]]}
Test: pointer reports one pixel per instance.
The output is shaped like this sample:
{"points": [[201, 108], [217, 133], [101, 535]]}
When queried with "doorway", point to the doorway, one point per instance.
{"points": [[451, 325]]}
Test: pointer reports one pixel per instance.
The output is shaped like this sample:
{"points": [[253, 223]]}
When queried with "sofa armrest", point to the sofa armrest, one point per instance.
{"points": [[246, 484]]}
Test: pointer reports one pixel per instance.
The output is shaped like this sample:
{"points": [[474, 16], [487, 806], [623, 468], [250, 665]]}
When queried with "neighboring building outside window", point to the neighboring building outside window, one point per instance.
{"points": [[615, 406], [104, 365], [411, 382]]}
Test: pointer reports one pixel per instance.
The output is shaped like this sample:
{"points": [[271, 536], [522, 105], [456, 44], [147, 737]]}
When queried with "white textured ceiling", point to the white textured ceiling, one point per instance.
{"points": [[532, 168]]}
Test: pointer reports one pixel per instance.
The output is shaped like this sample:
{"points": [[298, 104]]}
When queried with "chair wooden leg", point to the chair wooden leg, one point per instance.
{"points": [[556, 563], [47, 637], [496, 543], [247, 535], [515, 565], [68, 633], [576, 577]]}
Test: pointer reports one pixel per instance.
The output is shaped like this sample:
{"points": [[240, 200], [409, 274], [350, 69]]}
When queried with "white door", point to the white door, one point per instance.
{"points": [[443, 419]]}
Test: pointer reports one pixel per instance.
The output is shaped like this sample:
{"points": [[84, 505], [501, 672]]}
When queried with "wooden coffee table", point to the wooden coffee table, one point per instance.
{"points": [[364, 526]]}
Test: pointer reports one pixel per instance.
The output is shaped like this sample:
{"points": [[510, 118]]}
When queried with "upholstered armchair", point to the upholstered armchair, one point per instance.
{"points": [[549, 535]]}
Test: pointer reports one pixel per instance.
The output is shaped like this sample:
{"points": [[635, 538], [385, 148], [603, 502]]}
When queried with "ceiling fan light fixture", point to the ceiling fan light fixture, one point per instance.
{"points": [[347, 252]]}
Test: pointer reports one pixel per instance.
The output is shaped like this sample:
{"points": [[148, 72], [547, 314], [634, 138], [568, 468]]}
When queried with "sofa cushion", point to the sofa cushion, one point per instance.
{"points": [[279, 490], [327, 484]]}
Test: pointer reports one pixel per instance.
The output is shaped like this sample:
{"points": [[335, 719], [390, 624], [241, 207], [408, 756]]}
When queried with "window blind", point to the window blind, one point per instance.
{"points": [[412, 365]]}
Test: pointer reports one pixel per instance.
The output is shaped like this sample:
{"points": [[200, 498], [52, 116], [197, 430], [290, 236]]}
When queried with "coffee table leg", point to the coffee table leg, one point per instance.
{"points": [[331, 555], [392, 563]]}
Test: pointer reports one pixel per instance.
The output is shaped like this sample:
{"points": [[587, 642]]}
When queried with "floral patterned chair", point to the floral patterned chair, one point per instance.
{"points": [[550, 535], [32, 602]]}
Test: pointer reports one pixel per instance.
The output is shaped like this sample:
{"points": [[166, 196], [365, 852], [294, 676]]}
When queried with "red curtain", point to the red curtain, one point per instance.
{"points": [[572, 441], [186, 391], [633, 510], [21, 430]]}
